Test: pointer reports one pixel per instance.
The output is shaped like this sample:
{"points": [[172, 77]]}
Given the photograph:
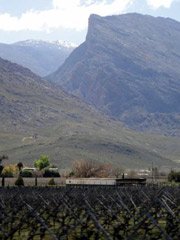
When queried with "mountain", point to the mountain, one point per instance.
{"points": [[37, 117], [129, 67], [40, 56]]}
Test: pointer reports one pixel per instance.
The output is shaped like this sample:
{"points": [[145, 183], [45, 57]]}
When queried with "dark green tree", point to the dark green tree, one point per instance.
{"points": [[20, 166]]}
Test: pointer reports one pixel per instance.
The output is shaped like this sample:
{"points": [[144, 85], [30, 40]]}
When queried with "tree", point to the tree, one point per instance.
{"points": [[3, 157], [1, 169], [42, 162], [84, 168], [20, 166]]}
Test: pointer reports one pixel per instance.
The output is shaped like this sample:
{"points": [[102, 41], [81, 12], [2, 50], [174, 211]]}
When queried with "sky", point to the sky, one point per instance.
{"points": [[67, 20]]}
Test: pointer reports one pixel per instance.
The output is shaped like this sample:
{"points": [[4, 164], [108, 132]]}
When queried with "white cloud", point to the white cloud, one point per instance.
{"points": [[155, 4], [71, 14]]}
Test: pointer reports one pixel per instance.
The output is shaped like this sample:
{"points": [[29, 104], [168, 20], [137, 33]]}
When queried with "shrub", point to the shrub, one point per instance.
{"points": [[19, 181], [26, 173], [174, 176], [50, 173], [71, 174], [51, 182]]}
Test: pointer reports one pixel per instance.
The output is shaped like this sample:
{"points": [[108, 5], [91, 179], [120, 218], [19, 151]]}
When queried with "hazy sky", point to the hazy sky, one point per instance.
{"points": [[67, 19]]}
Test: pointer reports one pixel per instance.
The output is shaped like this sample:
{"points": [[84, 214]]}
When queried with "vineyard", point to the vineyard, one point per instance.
{"points": [[137, 212]]}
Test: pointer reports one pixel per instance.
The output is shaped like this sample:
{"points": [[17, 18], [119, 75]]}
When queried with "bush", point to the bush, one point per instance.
{"points": [[26, 173], [51, 182], [71, 174], [19, 181], [9, 171], [174, 176], [50, 173]]}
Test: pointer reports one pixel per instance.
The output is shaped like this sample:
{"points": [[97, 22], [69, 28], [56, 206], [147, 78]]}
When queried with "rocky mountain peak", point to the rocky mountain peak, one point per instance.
{"points": [[129, 67]]}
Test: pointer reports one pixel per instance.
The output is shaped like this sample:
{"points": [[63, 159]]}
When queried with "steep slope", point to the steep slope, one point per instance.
{"points": [[27, 102], [37, 117], [41, 57], [129, 67]]}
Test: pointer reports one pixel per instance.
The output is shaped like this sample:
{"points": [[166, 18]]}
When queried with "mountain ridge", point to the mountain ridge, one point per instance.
{"points": [[41, 57], [128, 64], [59, 43]]}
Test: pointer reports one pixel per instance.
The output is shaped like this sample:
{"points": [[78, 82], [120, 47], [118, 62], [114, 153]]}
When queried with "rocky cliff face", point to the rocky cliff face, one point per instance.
{"points": [[129, 67]]}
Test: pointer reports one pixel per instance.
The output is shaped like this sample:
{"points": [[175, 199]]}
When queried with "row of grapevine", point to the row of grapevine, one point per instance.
{"points": [[135, 212]]}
